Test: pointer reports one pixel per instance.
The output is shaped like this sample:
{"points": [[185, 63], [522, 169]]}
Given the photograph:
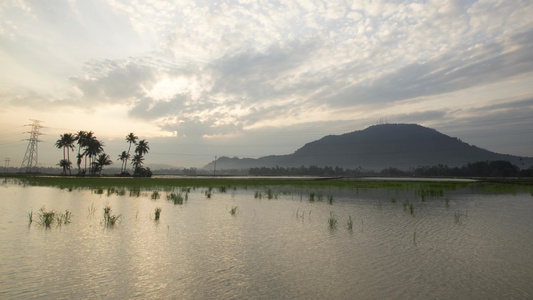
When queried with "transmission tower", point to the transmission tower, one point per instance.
{"points": [[31, 158]]}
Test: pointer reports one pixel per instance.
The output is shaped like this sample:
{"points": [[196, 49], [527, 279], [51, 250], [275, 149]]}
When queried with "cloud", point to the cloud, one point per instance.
{"points": [[447, 73], [207, 70]]}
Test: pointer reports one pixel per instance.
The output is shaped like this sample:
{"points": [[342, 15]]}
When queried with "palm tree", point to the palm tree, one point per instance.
{"points": [[60, 144], [66, 141], [123, 157], [137, 162], [65, 164], [132, 139], [82, 138], [142, 148], [93, 148], [102, 160]]}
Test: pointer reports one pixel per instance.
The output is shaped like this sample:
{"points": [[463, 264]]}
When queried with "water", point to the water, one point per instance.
{"points": [[459, 245]]}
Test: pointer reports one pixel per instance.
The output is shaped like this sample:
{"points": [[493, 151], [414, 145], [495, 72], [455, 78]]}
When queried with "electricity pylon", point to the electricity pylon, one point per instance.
{"points": [[31, 158]]}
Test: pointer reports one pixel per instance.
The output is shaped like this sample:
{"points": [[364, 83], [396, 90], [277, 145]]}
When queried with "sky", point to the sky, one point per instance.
{"points": [[245, 78]]}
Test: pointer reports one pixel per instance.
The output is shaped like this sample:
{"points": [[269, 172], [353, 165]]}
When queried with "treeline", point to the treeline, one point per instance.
{"points": [[91, 158], [477, 169]]}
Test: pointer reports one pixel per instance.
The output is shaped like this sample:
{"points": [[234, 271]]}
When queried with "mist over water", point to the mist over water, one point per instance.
{"points": [[457, 245]]}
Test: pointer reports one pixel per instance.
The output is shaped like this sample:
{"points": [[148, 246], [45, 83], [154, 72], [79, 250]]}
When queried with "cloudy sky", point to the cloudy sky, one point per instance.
{"points": [[251, 78]]}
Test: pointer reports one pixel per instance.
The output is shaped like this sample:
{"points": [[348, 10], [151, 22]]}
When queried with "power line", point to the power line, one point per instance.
{"points": [[31, 157]]}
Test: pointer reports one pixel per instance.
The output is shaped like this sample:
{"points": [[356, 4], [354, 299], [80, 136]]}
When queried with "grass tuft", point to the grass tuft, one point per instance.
{"points": [[30, 217], [46, 218], [157, 213], [349, 223], [155, 195], [176, 198], [109, 219], [233, 210], [332, 221]]}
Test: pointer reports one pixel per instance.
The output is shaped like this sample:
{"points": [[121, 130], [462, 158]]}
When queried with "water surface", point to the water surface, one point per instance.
{"points": [[457, 245]]}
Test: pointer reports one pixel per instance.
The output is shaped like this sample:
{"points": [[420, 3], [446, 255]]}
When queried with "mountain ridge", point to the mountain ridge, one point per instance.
{"points": [[401, 146]]}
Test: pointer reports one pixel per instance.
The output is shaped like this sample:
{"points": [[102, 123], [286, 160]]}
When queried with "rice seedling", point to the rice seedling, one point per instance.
{"points": [[411, 208], [110, 191], [459, 217], [157, 213], [155, 195], [447, 201], [233, 210], [330, 199], [258, 195], [136, 192], [349, 223], [319, 196], [176, 198], [222, 189], [46, 218], [91, 209], [63, 218], [30, 217], [208, 193], [312, 197], [98, 191], [332, 221], [393, 200], [269, 193], [109, 219], [414, 238], [405, 204]]}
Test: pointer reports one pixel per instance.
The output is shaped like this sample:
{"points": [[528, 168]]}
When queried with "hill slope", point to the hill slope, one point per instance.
{"points": [[377, 147]]}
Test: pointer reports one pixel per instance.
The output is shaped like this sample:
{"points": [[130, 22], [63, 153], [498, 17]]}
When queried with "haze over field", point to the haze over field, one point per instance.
{"points": [[253, 78]]}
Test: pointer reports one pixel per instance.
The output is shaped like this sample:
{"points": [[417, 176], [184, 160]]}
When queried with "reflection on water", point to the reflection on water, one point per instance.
{"points": [[455, 245]]}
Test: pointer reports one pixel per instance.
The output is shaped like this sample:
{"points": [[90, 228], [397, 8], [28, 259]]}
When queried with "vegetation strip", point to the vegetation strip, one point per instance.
{"points": [[424, 187]]}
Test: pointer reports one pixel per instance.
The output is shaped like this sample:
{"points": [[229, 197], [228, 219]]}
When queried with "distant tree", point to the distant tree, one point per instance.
{"points": [[93, 148], [99, 163], [66, 142], [131, 138], [83, 138], [142, 148], [65, 164], [137, 162], [124, 158]]}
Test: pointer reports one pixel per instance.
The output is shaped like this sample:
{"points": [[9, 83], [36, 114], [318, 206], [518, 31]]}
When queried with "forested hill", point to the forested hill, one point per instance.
{"points": [[401, 146]]}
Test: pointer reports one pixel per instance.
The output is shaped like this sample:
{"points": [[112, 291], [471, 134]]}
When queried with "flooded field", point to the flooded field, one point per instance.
{"points": [[265, 242]]}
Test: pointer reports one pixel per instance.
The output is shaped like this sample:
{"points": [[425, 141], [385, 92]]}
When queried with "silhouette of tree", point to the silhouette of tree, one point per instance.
{"points": [[99, 163], [65, 164], [124, 158], [83, 138], [142, 148], [131, 138], [66, 141]]}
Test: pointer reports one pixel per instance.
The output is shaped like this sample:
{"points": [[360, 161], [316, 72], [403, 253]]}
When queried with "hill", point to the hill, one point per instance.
{"points": [[401, 146]]}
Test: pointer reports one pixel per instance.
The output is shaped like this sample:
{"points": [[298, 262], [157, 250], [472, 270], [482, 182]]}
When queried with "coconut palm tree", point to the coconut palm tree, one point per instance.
{"points": [[131, 138], [65, 164], [123, 157], [142, 147], [60, 145], [66, 141], [82, 138], [93, 148], [137, 162], [99, 163]]}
